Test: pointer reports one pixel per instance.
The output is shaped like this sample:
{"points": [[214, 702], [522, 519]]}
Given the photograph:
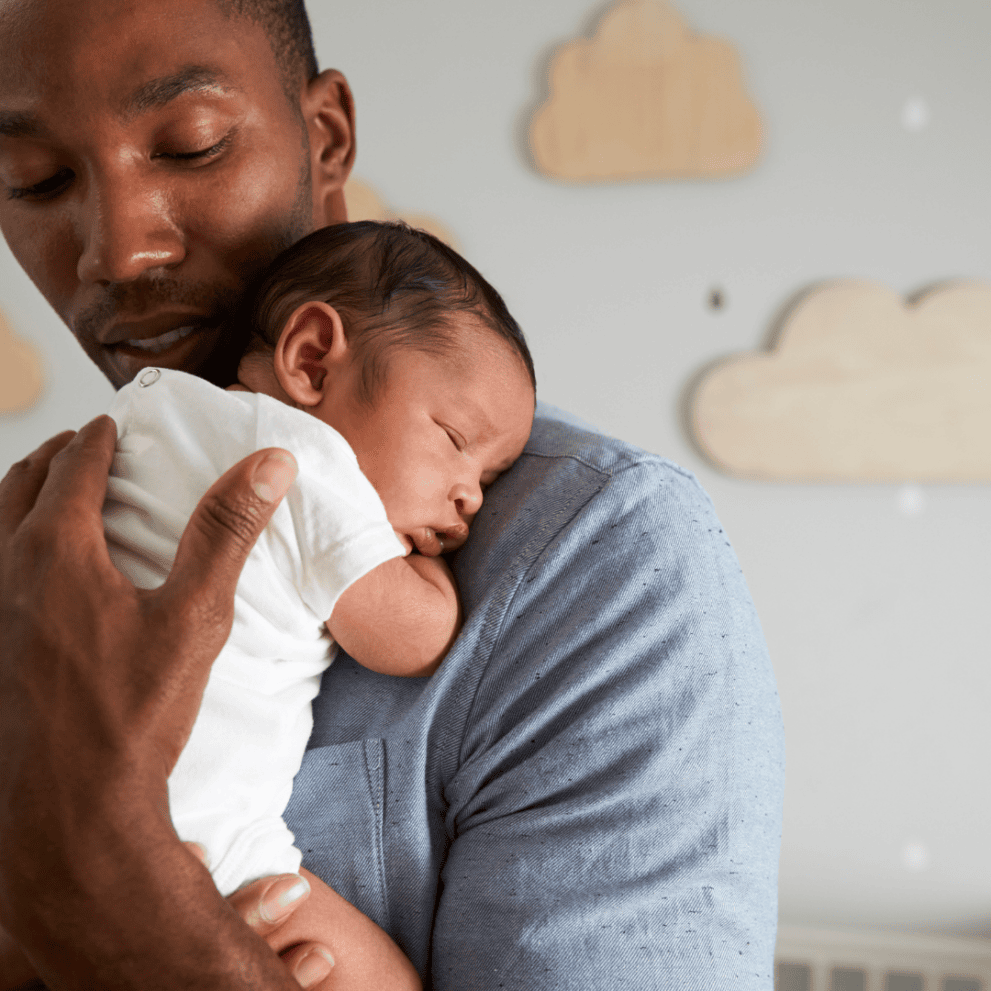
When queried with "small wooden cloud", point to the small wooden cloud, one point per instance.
{"points": [[861, 386], [645, 98], [363, 203], [20, 371]]}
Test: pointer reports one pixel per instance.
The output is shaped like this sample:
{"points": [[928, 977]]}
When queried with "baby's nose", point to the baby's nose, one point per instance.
{"points": [[467, 500]]}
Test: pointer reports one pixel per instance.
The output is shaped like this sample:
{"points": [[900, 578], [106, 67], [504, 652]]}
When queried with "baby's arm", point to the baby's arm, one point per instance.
{"points": [[401, 618]]}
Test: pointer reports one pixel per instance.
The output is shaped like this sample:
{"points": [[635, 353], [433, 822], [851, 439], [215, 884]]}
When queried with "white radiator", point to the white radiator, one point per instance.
{"points": [[808, 959]]}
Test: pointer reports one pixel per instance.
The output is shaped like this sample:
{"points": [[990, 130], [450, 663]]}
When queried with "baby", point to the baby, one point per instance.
{"points": [[402, 385]]}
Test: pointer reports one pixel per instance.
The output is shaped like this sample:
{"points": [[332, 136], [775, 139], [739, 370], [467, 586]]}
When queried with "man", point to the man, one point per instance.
{"points": [[586, 794]]}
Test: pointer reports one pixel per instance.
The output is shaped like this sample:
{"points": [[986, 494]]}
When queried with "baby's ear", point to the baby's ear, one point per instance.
{"points": [[312, 346]]}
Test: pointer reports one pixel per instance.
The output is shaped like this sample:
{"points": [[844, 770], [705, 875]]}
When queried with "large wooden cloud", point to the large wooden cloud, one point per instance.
{"points": [[645, 98], [20, 371], [861, 386]]}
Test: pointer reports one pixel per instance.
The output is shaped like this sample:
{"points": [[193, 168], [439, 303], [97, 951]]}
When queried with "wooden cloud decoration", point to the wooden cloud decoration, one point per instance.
{"points": [[363, 203], [860, 386], [20, 371], [645, 99]]}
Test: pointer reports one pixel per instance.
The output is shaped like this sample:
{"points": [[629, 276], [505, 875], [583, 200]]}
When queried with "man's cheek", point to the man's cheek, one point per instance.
{"points": [[263, 218], [48, 253]]}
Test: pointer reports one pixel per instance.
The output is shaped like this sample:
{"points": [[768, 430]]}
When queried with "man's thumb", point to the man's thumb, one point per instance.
{"points": [[224, 527]]}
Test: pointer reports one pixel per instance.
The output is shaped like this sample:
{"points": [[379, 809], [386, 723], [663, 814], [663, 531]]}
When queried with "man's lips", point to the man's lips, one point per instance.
{"points": [[155, 345], [156, 333], [186, 347]]}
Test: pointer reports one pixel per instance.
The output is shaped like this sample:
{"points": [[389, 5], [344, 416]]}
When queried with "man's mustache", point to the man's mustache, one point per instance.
{"points": [[135, 300]]}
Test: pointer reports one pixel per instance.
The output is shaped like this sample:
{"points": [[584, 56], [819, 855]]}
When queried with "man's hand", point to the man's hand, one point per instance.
{"points": [[267, 905], [100, 684]]}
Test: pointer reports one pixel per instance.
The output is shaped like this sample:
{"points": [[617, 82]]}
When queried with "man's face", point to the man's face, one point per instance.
{"points": [[150, 164]]}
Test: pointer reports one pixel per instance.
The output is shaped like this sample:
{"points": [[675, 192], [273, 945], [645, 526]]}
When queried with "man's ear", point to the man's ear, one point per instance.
{"points": [[328, 110], [312, 352]]}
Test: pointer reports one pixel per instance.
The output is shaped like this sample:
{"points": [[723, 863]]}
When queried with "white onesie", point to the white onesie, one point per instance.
{"points": [[176, 435]]}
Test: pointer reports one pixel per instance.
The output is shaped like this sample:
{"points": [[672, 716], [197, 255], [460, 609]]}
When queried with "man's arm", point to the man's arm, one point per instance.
{"points": [[99, 686], [401, 618]]}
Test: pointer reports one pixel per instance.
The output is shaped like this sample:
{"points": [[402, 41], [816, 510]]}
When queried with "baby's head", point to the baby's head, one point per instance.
{"points": [[393, 339]]}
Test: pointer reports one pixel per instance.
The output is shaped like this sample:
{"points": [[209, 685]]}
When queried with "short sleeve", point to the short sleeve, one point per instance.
{"points": [[332, 513], [615, 816]]}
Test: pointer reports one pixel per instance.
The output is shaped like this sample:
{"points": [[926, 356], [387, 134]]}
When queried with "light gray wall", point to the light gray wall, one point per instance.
{"points": [[873, 614]]}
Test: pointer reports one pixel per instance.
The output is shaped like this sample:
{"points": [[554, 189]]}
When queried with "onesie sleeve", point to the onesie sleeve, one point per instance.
{"points": [[332, 513], [615, 814]]}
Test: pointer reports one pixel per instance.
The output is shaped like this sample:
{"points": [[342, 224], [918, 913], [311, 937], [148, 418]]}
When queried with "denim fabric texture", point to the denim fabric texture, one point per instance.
{"points": [[588, 793]]}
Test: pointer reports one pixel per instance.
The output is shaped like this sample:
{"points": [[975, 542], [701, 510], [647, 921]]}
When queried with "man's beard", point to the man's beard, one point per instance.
{"points": [[221, 367]]}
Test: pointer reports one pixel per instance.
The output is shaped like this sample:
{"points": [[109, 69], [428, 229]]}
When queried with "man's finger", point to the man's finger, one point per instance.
{"points": [[267, 903], [308, 963], [199, 852], [19, 488], [77, 474], [224, 527]]}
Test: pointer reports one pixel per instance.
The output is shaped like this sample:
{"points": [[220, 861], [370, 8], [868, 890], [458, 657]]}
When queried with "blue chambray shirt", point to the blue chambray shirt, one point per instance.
{"points": [[587, 794]]}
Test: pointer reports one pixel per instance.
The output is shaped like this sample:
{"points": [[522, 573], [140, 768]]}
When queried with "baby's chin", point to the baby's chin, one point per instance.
{"points": [[406, 542]]}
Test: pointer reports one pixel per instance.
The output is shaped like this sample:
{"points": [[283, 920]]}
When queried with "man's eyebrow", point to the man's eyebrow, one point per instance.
{"points": [[154, 93], [158, 92]]}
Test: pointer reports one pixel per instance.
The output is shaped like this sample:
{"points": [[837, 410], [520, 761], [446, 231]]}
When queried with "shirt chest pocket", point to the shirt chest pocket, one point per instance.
{"points": [[337, 813]]}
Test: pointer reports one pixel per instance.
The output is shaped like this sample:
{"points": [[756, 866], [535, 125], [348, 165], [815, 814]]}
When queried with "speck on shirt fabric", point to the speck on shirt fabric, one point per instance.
{"points": [[176, 435], [587, 794]]}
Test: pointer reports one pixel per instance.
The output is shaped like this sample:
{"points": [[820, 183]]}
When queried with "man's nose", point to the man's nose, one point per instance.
{"points": [[126, 230]]}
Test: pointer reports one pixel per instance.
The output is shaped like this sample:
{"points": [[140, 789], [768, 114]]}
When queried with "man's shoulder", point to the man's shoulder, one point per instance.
{"points": [[576, 494], [558, 434], [568, 465]]}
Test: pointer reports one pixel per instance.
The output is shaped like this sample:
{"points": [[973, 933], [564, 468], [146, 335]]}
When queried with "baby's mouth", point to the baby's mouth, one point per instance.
{"points": [[432, 543]]}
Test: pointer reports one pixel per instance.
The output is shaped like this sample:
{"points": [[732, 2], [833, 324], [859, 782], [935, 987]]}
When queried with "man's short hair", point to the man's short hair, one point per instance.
{"points": [[394, 287], [288, 31]]}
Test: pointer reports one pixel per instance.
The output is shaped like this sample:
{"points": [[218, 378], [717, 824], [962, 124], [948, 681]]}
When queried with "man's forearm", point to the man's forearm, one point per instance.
{"points": [[142, 913]]}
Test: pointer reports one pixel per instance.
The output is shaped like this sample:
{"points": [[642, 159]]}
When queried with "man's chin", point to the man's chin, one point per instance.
{"points": [[208, 352]]}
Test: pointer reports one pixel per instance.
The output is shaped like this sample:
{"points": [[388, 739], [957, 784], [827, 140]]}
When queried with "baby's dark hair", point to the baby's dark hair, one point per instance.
{"points": [[394, 288]]}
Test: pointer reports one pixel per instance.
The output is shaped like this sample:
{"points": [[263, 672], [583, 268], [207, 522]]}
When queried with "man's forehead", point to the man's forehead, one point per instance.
{"points": [[133, 53]]}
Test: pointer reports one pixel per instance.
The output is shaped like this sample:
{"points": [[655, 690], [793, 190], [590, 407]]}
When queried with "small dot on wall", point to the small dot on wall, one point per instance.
{"points": [[915, 114], [911, 500], [915, 856]]}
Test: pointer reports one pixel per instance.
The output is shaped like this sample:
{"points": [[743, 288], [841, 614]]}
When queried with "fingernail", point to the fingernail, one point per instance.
{"points": [[274, 475], [281, 897], [315, 966]]}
